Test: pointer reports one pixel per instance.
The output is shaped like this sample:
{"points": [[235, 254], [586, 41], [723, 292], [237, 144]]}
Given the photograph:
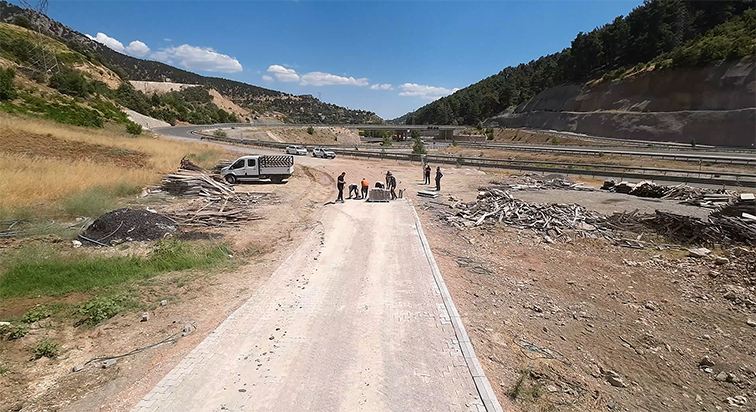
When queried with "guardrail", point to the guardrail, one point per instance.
{"points": [[583, 169]]}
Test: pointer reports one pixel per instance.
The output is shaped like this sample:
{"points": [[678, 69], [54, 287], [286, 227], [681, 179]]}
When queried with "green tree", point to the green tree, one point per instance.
{"points": [[71, 82], [7, 86], [415, 134], [310, 130], [133, 128], [387, 141], [22, 21], [418, 147]]}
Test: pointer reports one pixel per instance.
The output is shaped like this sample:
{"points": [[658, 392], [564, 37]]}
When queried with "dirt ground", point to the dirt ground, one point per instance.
{"points": [[550, 323], [325, 135]]}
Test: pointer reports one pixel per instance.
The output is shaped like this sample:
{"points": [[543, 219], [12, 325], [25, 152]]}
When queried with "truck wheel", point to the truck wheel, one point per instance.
{"points": [[277, 179], [231, 179]]}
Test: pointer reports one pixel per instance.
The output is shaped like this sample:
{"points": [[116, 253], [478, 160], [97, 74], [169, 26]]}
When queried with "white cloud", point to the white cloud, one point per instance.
{"points": [[328, 79], [137, 48], [283, 74], [108, 41], [381, 87], [424, 91], [198, 58], [267, 78]]}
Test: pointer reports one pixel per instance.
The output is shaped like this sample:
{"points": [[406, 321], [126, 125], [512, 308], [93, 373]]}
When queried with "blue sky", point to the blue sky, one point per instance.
{"points": [[390, 57]]}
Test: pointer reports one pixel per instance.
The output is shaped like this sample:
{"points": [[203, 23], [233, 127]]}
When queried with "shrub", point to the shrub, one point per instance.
{"points": [[310, 130], [71, 82], [22, 21], [36, 314], [46, 348], [99, 309], [7, 87], [133, 128], [387, 141], [18, 332], [220, 133]]}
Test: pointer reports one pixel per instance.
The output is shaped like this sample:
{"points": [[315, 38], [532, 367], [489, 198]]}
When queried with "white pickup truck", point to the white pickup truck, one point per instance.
{"points": [[258, 168]]}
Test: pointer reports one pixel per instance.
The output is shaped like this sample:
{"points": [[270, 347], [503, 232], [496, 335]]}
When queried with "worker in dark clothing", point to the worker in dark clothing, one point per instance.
{"points": [[427, 174], [439, 175], [379, 185], [388, 177], [340, 185], [365, 187], [353, 189], [392, 186]]}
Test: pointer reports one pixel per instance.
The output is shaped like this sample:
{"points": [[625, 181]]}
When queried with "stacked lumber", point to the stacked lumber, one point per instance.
{"points": [[188, 183], [187, 164]]}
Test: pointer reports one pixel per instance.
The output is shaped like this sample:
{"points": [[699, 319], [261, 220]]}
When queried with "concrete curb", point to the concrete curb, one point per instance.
{"points": [[485, 391]]}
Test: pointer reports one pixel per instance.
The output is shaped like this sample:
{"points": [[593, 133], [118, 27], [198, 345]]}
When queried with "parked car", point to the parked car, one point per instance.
{"points": [[296, 150], [324, 153]]}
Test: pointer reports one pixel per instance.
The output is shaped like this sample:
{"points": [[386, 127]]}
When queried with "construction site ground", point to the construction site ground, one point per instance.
{"points": [[548, 322]]}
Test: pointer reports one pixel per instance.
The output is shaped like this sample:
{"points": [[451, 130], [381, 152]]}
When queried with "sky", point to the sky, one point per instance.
{"points": [[390, 57]]}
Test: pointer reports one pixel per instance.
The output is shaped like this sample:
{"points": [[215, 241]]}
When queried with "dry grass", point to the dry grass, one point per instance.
{"points": [[44, 183]]}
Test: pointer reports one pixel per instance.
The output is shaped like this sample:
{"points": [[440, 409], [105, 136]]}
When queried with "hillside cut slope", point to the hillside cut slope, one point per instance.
{"points": [[712, 105]]}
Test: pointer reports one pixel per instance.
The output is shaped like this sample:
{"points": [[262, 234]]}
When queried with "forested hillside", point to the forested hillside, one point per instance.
{"points": [[296, 109], [658, 34]]}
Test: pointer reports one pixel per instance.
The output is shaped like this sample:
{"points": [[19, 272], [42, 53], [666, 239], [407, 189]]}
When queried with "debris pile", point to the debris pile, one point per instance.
{"points": [[219, 211], [125, 225], [552, 181], [696, 196], [495, 205], [195, 184]]}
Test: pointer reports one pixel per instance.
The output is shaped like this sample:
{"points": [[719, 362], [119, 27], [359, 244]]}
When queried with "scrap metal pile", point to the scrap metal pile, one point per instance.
{"points": [[561, 221]]}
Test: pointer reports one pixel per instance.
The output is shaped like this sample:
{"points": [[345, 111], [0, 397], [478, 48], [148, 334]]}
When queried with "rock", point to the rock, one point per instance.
{"points": [[271, 337], [650, 305], [77, 368], [737, 401], [719, 260], [705, 361], [145, 316], [76, 244], [721, 376], [699, 252], [108, 363], [699, 399], [708, 369], [749, 322], [163, 302], [5, 323], [615, 379], [732, 378], [552, 388], [188, 328]]}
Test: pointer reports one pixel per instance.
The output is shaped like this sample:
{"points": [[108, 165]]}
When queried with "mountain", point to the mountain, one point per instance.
{"points": [[295, 109], [658, 36]]}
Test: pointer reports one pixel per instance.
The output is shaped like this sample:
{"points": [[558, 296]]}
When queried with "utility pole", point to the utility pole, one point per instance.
{"points": [[43, 58]]}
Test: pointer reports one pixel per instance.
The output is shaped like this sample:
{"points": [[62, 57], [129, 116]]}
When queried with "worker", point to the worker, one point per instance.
{"points": [[392, 186], [427, 174], [388, 177], [439, 175], [353, 189], [340, 185], [365, 187]]}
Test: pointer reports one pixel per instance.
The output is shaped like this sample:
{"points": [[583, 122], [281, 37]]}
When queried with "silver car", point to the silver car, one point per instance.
{"points": [[296, 150], [325, 154]]}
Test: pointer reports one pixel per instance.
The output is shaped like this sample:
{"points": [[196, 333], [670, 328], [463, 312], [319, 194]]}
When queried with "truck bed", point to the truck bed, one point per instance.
{"points": [[276, 161]]}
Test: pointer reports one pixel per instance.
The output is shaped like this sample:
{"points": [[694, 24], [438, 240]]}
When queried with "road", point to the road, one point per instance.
{"points": [[356, 319]]}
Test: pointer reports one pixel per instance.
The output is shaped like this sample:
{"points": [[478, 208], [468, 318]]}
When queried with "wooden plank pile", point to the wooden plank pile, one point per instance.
{"points": [[215, 212], [188, 183]]}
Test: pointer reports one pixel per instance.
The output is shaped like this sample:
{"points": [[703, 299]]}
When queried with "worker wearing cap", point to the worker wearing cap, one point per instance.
{"points": [[439, 175], [365, 187]]}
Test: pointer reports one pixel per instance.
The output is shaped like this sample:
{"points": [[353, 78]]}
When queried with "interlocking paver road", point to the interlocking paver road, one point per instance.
{"points": [[352, 321]]}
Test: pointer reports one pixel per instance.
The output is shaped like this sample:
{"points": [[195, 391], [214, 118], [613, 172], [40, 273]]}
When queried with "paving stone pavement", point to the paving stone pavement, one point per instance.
{"points": [[352, 321]]}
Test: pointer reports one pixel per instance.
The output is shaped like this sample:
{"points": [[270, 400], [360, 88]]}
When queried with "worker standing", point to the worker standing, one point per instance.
{"points": [[439, 175], [340, 185], [392, 186], [388, 177], [427, 174], [365, 187]]}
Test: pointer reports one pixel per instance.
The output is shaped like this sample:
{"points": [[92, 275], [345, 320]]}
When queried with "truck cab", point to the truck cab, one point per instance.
{"points": [[258, 168]]}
